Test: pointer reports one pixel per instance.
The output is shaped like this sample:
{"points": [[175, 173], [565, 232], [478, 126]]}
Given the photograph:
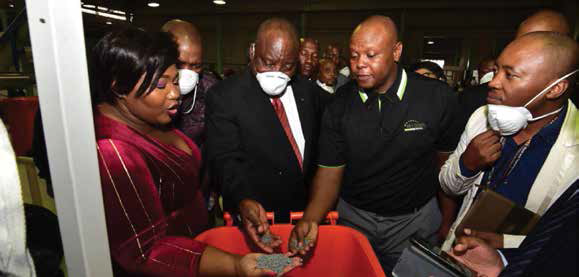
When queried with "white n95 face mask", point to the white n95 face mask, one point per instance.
{"points": [[510, 120], [487, 77], [273, 83], [188, 80]]}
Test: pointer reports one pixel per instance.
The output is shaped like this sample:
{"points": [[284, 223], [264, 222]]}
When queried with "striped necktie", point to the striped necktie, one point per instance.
{"points": [[280, 112]]}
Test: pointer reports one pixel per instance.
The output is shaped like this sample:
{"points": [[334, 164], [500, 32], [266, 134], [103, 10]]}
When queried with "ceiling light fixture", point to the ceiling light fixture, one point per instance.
{"points": [[219, 2], [104, 14], [109, 23], [11, 5], [430, 42], [153, 4]]}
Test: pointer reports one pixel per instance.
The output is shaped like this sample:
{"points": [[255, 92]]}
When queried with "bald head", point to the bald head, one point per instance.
{"points": [[379, 24], [276, 29], [276, 47], [374, 51], [189, 42], [544, 20], [559, 51], [528, 65], [182, 30]]}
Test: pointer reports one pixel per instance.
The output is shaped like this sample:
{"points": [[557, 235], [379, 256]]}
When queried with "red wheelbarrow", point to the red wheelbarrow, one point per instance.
{"points": [[339, 251]]}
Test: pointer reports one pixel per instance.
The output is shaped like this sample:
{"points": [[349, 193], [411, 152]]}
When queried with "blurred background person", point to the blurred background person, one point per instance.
{"points": [[334, 53], [471, 98], [326, 82], [428, 69], [308, 56], [194, 82]]}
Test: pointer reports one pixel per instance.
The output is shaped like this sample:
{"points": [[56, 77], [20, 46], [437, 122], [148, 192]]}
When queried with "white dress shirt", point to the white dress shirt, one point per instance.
{"points": [[291, 110]]}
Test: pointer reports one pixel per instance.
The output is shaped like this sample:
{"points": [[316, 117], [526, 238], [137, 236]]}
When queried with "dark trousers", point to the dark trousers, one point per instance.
{"points": [[389, 236]]}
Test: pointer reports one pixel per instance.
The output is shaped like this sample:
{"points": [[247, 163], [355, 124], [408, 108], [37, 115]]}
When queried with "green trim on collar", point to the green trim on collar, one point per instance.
{"points": [[400, 93], [327, 166], [402, 88]]}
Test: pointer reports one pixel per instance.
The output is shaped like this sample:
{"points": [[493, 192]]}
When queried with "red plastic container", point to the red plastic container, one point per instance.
{"points": [[340, 251]]}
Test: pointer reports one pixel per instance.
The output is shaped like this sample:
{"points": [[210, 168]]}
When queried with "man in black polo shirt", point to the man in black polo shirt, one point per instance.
{"points": [[378, 145]]}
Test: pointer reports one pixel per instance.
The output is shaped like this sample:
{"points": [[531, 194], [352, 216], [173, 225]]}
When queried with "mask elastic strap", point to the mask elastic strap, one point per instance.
{"points": [[194, 97], [545, 115], [550, 86]]}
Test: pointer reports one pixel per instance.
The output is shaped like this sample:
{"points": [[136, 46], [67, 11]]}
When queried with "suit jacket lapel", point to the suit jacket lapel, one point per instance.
{"points": [[260, 106]]}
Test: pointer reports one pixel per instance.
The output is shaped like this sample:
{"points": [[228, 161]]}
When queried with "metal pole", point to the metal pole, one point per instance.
{"points": [[57, 38]]}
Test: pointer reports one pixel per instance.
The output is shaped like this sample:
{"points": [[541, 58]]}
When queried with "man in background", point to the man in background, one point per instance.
{"points": [[334, 53], [308, 56], [193, 81]]}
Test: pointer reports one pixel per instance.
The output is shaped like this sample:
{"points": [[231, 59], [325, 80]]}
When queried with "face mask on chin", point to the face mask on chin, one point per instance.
{"points": [[273, 83], [509, 120]]}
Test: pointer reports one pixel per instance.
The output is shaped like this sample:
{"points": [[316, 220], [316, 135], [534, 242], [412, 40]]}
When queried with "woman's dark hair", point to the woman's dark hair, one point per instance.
{"points": [[431, 66], [121, 57]]}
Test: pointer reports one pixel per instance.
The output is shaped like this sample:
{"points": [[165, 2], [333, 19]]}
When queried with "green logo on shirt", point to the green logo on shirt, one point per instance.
{"points": [[414, 125]]}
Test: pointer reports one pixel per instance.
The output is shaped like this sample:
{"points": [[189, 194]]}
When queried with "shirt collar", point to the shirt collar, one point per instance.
{"points": [[396, 92], [328, 89]]}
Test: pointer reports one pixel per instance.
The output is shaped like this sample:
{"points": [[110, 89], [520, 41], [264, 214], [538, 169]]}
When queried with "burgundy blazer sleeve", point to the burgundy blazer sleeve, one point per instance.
{"points": [[136, 221]]}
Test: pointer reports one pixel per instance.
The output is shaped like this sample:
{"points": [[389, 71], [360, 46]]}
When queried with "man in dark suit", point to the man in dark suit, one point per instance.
{"points": [[261, 127], [549, 250]]}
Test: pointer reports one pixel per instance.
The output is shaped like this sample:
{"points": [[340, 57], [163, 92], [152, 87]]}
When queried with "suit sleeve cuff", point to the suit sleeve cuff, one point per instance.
{"points": [[465, 171]]}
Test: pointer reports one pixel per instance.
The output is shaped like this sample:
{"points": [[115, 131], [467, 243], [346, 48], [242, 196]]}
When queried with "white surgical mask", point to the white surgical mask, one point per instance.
{"points": [[273, 83], [509, 120], [487, 77], [188, 80]]}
